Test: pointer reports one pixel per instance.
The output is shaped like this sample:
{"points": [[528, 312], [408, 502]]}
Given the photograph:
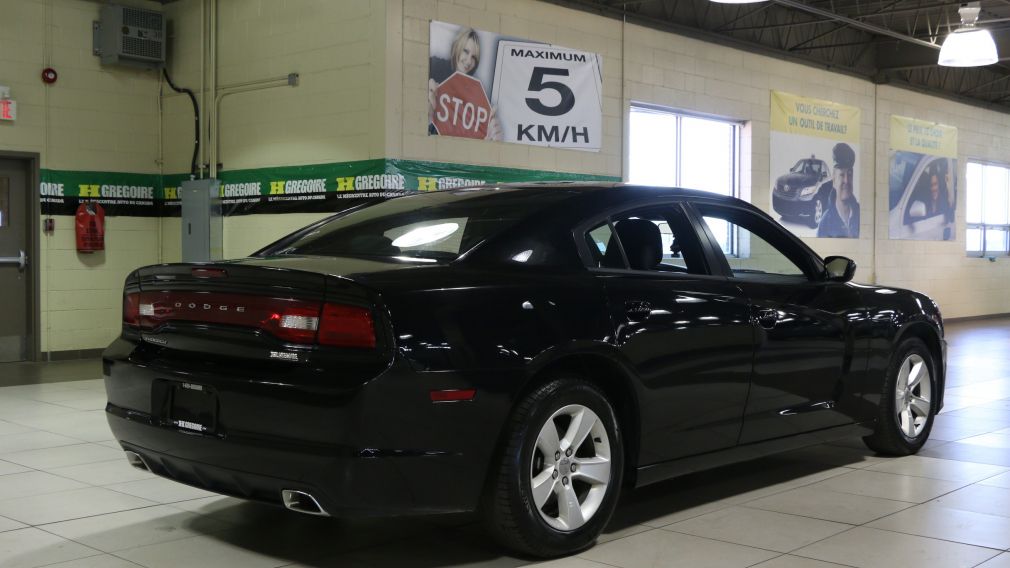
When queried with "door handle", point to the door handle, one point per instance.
{"points": [[637, 310], [21, 260], [767, 318]]}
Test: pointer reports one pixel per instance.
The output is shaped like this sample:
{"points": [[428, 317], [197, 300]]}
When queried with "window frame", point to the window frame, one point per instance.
{"points": [[983, 227], [679, 115]]}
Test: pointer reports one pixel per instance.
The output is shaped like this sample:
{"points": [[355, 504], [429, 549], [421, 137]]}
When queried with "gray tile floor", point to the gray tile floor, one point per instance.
{"points": [[69, 499]]}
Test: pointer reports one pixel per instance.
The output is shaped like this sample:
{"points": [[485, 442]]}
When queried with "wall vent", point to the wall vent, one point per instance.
{"points": [[130, 36]]}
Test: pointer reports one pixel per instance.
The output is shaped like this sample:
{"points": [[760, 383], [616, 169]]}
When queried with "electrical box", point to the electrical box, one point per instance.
{"points": [[202, 223], [130, 36]]}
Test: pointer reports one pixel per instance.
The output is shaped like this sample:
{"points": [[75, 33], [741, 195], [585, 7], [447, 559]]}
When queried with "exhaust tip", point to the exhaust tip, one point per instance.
{"points": [[302, 502], [136, 461]]}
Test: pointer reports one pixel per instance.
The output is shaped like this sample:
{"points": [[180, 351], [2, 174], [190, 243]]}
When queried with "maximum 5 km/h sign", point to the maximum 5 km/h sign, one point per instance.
{"points": [[549, 96]]}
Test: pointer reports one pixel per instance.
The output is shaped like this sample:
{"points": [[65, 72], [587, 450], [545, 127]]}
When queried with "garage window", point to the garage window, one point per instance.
{"points": [[988, 209], [681, 150]]}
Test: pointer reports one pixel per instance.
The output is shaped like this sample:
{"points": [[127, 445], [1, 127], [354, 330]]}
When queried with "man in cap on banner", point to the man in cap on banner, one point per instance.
{"points": [[841, 216]]}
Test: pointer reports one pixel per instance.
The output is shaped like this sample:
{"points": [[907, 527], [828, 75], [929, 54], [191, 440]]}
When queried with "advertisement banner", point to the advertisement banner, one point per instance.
{"points": [[814, 154], [922, 180], [61, 192], [540, 94], [315, 188]]}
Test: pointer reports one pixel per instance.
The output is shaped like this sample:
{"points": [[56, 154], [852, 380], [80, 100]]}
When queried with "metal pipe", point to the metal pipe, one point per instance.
{"points": [[289, 80], [212, 134], [202, 136], [795, 4]]}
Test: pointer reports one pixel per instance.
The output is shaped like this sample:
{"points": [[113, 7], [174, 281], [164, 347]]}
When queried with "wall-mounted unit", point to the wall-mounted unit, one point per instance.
{"points": [[202, 223], [130, 36]]}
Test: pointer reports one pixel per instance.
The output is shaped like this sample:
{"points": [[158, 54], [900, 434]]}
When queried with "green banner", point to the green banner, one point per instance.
{"points": [[138, 195], [287, 189]]}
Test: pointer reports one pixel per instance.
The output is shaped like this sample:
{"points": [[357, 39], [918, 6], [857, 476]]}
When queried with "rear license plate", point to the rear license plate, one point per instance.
{"points": [[193, 407]]}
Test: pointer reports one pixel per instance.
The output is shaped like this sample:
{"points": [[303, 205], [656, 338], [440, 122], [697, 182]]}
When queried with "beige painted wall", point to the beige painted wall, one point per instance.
{"points": [[335, 114], [649, 66], [363, 68], [962, 285], [93, 118]]}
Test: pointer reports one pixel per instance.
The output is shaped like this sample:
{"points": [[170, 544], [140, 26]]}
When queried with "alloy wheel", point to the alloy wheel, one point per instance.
{"points": [[912, 397], [571, 468]]}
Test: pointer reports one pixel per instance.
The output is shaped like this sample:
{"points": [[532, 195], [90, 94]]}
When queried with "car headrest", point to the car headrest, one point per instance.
{"points": [[642, 243]]}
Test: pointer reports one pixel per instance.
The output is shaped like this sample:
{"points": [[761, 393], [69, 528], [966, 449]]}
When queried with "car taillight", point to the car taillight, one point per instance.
{"points": [[131, 309], [290, 320], [346, 326]]}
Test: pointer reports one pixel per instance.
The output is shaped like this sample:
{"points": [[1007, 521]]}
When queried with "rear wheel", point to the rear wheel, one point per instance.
{"points": [[558, 478], [906, 411]]}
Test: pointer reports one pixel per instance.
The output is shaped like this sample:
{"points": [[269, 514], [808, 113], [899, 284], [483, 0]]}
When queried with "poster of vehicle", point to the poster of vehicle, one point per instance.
{"points": [[540, 94], [922, 180], [814, 170]]}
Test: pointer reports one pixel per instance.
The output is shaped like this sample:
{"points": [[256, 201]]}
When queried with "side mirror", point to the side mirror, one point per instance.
{"points": [[839, 268], [918, 210]]}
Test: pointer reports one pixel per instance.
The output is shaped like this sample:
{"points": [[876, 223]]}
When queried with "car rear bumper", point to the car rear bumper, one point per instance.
{"points": [[381, 448], [344, 484]]}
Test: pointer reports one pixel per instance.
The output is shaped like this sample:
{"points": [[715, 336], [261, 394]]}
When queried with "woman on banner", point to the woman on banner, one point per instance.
{"points": [[464, 57]]}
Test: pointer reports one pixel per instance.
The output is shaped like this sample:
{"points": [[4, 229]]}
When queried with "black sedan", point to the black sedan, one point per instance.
{"points": [[521, 351], [802, 192]]}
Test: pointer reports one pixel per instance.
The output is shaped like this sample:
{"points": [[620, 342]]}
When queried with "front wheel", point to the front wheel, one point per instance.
{"points": [[906, 411], [558, 478]]}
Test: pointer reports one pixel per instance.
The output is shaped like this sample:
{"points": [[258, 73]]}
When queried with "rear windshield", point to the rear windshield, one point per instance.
{"points": [[431, 227]]}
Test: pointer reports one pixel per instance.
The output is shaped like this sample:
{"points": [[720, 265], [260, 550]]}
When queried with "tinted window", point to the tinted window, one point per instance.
{"points": [[653, 239], [435, 227]]}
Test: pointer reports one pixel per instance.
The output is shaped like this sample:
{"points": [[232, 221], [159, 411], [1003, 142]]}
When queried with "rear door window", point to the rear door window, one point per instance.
{"points": [[654, 239]]}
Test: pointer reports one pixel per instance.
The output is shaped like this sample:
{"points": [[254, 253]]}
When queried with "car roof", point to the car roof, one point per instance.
{"points": [[624, 191], [606, 187]]}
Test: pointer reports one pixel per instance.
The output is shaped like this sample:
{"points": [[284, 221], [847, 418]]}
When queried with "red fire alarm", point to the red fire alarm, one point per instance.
{"points": [[49, 75]]}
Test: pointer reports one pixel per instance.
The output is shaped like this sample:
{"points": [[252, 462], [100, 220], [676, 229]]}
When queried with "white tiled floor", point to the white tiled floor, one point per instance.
{"points": [[69, 499]]}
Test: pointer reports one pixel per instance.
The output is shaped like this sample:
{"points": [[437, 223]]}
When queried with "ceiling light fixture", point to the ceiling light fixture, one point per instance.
{"points": [[968, 46], [737, 1]]}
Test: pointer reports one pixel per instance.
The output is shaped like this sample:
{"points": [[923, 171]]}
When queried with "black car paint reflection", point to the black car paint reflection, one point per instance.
{"points": [[705, 365]]}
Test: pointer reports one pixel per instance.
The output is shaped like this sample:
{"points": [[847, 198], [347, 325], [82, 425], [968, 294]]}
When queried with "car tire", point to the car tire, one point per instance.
{"points": [[905, 415], [547, 505]]}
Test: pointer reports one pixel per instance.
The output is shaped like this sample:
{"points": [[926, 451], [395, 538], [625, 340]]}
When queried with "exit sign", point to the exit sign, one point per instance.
{"points": [[8, 109]]}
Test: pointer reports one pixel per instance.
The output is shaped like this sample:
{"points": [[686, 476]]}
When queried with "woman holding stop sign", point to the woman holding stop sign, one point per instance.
{"points": [[464, 57]]}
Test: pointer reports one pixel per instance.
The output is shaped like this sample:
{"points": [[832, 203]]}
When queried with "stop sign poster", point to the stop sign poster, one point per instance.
{"points": [[540, 94]]}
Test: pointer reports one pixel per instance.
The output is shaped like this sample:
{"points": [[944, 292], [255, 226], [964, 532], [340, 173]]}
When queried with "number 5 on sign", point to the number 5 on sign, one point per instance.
{"points": [[548, 96]]}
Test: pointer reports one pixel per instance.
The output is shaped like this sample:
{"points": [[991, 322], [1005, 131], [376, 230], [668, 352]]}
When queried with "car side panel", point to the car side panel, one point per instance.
{"points": [[692, 352], [809, 365]]}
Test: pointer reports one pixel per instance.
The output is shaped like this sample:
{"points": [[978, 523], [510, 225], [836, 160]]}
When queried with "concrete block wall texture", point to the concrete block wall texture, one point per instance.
{"points": [[335, 114], [363, 67], [962, 285], [650, 66], [93, 118]]}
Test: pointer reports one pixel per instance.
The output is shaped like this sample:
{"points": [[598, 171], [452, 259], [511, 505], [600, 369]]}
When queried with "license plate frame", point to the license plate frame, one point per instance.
{"points": [[193, 407]]}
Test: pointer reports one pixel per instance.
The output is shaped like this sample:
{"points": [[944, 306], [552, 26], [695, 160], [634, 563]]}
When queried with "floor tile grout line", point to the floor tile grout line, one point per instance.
{"points": [[849, 527], [97, 552], [933, 537], [114, 553]]}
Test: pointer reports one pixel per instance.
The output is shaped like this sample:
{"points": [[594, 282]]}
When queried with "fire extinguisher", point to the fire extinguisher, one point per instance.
{"points": [[90, 227]]}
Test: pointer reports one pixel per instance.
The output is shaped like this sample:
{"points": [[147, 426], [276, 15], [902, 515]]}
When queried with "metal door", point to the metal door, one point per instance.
{"points": [[15, 295]]}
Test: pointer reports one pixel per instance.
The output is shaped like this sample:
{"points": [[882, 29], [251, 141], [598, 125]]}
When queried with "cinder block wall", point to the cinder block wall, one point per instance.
{"points": [[92, 118], [335, 114], [650, 66], [363, 68]]}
